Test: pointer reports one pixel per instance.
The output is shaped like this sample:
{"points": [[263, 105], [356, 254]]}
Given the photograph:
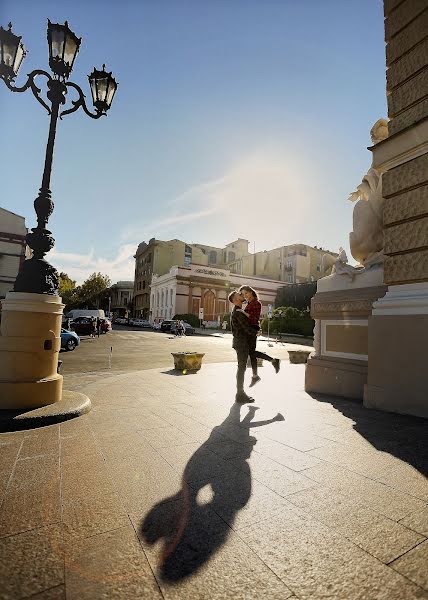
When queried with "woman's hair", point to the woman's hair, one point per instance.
{"points": [[247, 288]]}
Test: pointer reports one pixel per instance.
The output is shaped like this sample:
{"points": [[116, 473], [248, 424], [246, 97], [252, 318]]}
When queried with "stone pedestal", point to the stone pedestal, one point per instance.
{"points": [[398, 353], [30, 342], [341, 309]]}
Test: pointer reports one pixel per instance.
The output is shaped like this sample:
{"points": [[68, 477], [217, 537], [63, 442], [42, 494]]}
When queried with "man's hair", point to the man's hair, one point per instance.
{"points": [[247, 288], [232, 295]]}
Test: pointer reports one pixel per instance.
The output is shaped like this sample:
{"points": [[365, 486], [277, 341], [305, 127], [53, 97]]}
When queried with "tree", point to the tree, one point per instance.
{"points": [[94, 289], [67, 289]]}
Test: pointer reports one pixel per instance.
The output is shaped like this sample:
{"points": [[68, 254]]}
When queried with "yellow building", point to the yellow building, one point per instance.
{"points": [[297, 263]]}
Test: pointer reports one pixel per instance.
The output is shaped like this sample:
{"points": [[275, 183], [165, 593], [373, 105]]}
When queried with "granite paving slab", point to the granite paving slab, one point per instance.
{"points": [[168, 489]]}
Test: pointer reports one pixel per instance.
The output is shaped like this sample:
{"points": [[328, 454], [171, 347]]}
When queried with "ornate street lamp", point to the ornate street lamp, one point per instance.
{"points": [[36, 274]]}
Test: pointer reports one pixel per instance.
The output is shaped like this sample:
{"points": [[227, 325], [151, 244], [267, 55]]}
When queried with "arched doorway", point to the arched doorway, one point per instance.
{"points": [[209, 306]]}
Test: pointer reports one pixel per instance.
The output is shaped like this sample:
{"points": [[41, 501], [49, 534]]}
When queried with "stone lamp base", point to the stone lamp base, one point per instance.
{"points": [[30, 341]]}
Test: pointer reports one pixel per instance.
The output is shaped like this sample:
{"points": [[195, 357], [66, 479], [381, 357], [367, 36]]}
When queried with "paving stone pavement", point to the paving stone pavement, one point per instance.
{"points": [[168, 489]]}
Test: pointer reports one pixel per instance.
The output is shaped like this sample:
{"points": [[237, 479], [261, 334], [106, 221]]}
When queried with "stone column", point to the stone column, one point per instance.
{"points": [[190, 302], [398, 327]]}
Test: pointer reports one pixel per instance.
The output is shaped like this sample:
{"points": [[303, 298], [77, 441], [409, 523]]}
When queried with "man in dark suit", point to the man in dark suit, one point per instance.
{"points": [[243, 335]]}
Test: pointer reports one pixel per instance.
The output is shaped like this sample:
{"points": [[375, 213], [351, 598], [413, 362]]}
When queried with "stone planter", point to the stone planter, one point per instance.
{"points": [[187, 361], [299, 356]]}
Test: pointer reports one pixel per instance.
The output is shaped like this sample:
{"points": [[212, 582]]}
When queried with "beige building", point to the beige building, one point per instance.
{"points": [[291, 264], [185, 290], [122, 294], [296, 263], [12, 248]]}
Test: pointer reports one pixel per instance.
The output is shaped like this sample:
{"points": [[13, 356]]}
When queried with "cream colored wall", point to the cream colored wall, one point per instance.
{"points": [[302, 268], [11, 223]]}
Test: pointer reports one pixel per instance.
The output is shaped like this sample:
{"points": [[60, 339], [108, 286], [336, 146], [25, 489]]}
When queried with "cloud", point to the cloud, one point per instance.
{"points": [[80, 266], [264, 197], [268, 197]]}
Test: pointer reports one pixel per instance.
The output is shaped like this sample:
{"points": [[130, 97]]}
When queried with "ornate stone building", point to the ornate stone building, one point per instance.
{"points": [[185, 290]]}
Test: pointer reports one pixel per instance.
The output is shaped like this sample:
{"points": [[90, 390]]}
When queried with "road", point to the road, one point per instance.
{"points": [[135, 350]]}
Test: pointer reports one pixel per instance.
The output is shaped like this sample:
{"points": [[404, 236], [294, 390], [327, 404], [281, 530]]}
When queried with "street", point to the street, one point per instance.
{"points": [[136, 349]]}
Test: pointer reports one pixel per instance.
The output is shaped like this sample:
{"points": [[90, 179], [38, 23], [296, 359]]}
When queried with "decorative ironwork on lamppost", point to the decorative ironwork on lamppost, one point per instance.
{"points": [[36, 274]]}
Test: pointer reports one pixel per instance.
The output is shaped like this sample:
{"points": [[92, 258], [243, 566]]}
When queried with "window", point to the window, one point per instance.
{"points": [[212, 256], [318, 268], [139, 285], [170, 297], [231, 256], [187, 255], [290, 278], [144, 284]]}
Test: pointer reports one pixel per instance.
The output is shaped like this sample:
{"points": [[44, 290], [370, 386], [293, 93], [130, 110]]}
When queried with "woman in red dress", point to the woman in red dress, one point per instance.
{"points": [[253, 311]]}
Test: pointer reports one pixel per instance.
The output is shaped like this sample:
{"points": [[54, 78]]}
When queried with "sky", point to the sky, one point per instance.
{"points": [[233, 118]]}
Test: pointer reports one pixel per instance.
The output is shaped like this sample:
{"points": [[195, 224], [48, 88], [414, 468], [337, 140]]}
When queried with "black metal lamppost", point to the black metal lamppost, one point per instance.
{"points": [[36, 274]]}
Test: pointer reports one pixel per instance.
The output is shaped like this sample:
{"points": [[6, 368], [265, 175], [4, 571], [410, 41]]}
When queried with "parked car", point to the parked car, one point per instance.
{"points": [[105, 325], [121, 321], [69, 339], [166, 325], [156, 326], [189, 329], [141, 323], [82, 325]]}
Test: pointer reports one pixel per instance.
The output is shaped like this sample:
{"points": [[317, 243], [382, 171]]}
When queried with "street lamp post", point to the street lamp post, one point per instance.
{"points": [[37, 275], [31, 314]]}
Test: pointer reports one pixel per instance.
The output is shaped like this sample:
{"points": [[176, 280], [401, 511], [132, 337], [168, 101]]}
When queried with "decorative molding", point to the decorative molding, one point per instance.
{"points": [[410, 299], [330, 353], [400, 148]]}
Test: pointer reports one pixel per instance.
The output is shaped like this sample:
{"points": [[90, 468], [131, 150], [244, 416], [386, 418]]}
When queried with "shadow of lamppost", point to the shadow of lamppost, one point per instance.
{"points": [[32, 312]]}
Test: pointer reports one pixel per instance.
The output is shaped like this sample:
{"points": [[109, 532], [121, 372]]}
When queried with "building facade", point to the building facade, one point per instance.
{"points": [[122, 294], [12, 248], [157, 257], [185, 290], [295, 263]]}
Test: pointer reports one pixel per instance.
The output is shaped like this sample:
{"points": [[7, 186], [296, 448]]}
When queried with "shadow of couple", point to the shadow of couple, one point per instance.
{"points": [[194, 523]]}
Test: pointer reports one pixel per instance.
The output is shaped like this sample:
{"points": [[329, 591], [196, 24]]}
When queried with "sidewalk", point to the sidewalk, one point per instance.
{"points": [[168, 489]]}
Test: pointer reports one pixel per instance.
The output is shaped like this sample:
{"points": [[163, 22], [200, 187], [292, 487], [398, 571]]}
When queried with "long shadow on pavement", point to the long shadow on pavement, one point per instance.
{"points": [[402, 436], [189, 523]]}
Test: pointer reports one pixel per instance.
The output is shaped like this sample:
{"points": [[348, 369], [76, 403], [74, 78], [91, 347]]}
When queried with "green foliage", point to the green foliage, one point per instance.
{"points": [[297, 295], [96, 284], [287, 319], [67, 289], [189, 318], [93, 293]]}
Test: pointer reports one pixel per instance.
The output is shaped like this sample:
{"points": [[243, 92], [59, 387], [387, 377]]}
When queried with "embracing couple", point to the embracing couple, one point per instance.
{"points": [[245, 328]]}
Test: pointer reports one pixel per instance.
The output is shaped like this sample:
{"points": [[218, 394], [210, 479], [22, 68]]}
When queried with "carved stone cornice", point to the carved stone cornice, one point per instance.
{"points": [[349, 303]]}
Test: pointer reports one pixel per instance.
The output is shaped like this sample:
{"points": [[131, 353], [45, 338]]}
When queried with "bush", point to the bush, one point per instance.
{"points": [[287, 319], [189, 318]]}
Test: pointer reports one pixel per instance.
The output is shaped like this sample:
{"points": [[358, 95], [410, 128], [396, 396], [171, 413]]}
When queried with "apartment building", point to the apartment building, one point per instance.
{"points": [[296, 263]]}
